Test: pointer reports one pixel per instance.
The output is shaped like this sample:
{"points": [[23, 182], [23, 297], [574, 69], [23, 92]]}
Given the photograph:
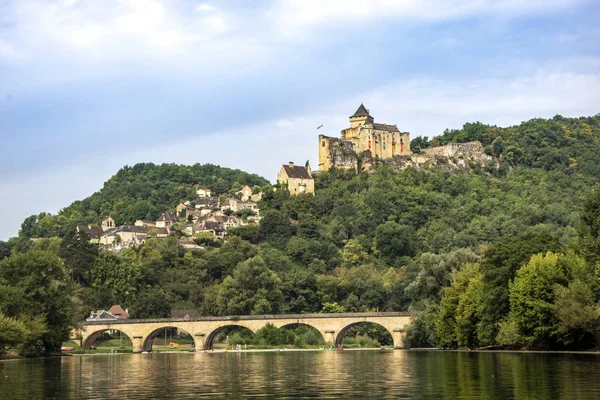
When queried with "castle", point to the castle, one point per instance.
{"points": [[381, 140]]}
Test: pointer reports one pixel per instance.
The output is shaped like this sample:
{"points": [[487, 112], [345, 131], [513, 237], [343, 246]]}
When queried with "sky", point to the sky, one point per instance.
{"points": [[88, 86]]}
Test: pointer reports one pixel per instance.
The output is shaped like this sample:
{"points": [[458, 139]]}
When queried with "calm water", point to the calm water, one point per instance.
{"points": [[325, 374]]}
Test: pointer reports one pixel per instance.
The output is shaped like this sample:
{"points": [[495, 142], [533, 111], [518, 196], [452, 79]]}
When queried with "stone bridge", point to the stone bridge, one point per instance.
{"points": [[204, 329]]}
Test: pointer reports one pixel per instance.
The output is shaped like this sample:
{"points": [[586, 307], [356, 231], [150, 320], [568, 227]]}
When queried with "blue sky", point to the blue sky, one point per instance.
{"points": [[89, 86]]}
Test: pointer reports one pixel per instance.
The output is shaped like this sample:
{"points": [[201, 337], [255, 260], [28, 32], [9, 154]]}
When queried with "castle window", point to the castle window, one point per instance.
{"points": [[369, 144], [323, 144], [384, 145]]}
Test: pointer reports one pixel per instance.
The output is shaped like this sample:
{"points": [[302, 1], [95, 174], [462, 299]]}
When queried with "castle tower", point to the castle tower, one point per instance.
{"points": [[360, 117], [107, 224]]}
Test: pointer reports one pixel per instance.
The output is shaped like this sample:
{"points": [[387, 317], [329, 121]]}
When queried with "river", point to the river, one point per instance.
{"points": [[289, 374]]}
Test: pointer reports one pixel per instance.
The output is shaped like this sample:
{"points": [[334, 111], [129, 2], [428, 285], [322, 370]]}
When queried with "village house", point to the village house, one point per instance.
{"points": [[297, 179], [146, 223], [183, 210], [256, 197], [207, 203], [204, 192], [166, 220], [244, 193], [188, 243], [237, 205], [100, 315], [118, 312], [94, 232]]}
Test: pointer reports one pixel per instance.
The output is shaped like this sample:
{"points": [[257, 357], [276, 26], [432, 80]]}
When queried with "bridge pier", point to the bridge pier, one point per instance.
{"points": [[329, 337], [398, 336], [199, 341], [138, 343]]}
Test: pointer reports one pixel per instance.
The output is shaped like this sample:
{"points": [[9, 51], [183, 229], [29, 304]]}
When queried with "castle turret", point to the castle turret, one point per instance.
{"points": [[360, 117]]}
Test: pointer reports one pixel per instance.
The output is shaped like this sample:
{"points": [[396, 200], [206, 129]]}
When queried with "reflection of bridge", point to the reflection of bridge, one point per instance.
{"points": [[204, 330]]}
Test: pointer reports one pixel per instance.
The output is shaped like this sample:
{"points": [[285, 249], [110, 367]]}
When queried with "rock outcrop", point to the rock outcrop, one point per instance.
{"points": [[454, 157]]}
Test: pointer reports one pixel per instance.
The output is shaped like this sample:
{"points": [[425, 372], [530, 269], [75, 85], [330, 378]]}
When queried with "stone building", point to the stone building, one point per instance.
{"points": [[298, 179], [381, 140]]}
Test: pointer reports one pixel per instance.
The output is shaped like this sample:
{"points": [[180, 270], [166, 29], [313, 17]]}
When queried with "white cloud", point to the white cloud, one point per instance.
{"points": [[295, 17], [206, 7]]}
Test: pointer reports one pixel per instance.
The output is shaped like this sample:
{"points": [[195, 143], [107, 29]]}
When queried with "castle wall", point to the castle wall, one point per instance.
{"points": [[356, 140]]}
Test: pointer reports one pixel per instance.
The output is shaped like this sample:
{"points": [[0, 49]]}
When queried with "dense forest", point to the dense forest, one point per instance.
{"points": [[504, 257]]}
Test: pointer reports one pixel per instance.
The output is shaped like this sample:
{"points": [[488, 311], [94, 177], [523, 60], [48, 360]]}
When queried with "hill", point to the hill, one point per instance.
{"points": [[143, 191], [503, 256]]}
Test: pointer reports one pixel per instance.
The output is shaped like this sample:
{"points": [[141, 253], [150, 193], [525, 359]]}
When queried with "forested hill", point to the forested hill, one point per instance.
{"points": [[566, 144], [143, 191], [507, 256]]}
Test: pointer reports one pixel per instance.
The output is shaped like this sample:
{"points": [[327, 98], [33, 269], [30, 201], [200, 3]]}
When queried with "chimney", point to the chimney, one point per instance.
{"points": [[291, 164]]}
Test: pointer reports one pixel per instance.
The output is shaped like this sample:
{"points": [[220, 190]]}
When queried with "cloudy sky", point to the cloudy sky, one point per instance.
{"points": [[87, 86]]}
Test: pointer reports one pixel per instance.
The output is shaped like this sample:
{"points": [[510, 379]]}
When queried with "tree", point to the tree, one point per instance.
{"points": [[332, 308], [114, 279], [393, 241], [275, 227], [418, 143], [48, 291], [151, 303], [4, 250], [578, 314], [12, 332], [499, 266], [532, 297], [252, 289], [589, 226], [78, 255]]}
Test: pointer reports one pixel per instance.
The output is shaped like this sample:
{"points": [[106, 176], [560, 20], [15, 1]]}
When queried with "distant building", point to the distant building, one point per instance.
{"points": [[204, 192], [94, 232], [146, 223], [381, 140], [166, 220], [101, 315], [118, 312], [244, 193], [298, 179], [107, 224]]}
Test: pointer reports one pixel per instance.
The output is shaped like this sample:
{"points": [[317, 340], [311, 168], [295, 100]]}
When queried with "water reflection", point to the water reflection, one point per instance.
{"points": [[324, 374]]}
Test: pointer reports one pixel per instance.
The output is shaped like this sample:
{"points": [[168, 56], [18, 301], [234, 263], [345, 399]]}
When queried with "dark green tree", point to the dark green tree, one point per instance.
{"points": [[79, 255]]}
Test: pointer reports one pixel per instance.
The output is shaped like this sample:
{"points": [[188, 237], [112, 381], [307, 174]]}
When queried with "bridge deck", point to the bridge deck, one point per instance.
{"points": [[251, 317]]}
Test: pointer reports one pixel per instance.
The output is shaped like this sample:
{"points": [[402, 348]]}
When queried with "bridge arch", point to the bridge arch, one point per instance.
{"points": [[208, 341], [308, 325], [342, 332], [88, 341], [149, 338]]}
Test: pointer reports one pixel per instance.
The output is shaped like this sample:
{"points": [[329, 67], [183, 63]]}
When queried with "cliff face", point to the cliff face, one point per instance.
{"points": [[454, 157]]}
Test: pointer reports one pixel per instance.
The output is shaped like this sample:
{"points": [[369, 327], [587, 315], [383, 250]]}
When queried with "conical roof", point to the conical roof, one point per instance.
{"points": [[361, 112]]}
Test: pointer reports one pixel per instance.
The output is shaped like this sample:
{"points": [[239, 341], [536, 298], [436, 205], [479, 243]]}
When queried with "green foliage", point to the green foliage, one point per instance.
{"points": [[12, 332], [78, 255], [418, 143], [252, 289], [5, 249], [40, 290], [394, 241], [455, 249], [533, 295], [276, 227], [151, 303], [251, 233]]}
